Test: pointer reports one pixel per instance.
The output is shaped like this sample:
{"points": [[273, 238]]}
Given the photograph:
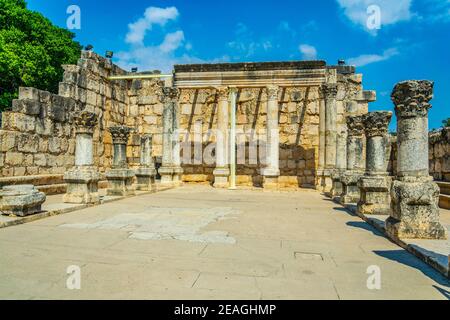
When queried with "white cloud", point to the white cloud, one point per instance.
{"points": [[152, 16], [172, 41], [392, 11], [366, 59], [308, 52]]}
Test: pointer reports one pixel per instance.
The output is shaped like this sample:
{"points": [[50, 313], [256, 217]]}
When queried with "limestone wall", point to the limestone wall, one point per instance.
{"points": [[439, 154], [37, 136]]}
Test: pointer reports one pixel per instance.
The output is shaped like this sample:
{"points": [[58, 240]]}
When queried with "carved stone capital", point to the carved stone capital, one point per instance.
{"points": [[272, 92], [377, 123], [411, 98], [120, 134], [85, 121], [169, 94], [330, 91], [355, 126], [222, 93]]}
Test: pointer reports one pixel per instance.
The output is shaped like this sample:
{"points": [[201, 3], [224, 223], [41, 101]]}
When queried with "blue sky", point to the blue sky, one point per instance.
{"points": [[413, 41]]}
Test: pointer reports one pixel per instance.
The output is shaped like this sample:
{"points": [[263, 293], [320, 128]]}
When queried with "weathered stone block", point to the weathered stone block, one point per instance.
{"points": [[82, 185], [120, 182], [29, 107], [21, 200], [375, 195], [28, 93]]}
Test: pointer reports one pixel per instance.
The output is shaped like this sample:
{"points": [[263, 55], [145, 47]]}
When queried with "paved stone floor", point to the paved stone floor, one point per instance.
{"points": [[196, 242]]}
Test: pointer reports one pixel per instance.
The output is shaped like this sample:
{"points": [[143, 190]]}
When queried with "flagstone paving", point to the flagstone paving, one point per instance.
{"points": [[196, 242]]}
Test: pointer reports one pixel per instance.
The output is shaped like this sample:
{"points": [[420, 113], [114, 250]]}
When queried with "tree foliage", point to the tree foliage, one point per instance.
{"points": [[446, 123], [32, 51]]}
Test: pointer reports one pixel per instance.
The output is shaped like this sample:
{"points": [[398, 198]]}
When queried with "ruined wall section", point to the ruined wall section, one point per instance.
{"points": [[439, 154], [37, 136]]}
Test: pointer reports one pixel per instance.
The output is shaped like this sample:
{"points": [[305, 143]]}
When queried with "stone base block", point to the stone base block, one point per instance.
{"points": [[82, 186], [336, 187], [221, 178], [21, 200], [145, 179], [120, 182], [177, 176], [270, 182], [415, 211], [324, 183], [375, 195], [350, 190]]}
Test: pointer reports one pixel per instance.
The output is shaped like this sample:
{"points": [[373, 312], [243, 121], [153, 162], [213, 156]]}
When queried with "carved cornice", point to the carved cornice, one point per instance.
{"points": [[377, 123], [355, 126], [411, 98], [272, 92], [120, 134], [85, 121]]}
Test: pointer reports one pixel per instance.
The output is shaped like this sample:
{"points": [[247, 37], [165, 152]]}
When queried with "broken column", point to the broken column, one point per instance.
{"points": [[375, 185], [222, 170], [145, 174], [414, 195], [167, 170], [21, 200], [82, 180], [272, 170], [355, 160], [120, 178]]}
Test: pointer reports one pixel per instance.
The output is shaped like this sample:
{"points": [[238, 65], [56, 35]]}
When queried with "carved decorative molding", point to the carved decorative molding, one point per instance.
{"points": [[85, 121], [355, 126], [411, 98], [377, 123], [120, 134]]}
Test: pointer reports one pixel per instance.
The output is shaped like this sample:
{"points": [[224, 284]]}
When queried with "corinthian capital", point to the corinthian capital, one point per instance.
{"points": [[272, 92], [169, 94], [330, 91], [355, 125], [85, 121], [411, 98], [223, 93], [120, 134], [377, 123]]}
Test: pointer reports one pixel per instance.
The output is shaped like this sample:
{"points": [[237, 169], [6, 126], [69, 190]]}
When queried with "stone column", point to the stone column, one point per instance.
{"points": [[414, 195], [177, 169], [355, 160], [167, 169], [321, 166], [272, 170], [375, 185], [145, 174], [82, 180], [341, 164], [330, 91], [120, 178], [222, 171]]}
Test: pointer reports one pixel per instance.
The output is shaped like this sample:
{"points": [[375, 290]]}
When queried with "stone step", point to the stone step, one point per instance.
{"points": [[444, 186], [444, 201]]}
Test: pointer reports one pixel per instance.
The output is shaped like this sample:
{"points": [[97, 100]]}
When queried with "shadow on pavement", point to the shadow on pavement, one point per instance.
{"points": [[408, 259], [365, 226]]}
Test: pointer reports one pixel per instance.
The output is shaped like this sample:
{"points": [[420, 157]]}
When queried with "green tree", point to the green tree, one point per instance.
{"points": [[32, 51], [446, 123]]}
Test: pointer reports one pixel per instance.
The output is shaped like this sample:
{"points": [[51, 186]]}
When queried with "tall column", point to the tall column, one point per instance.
{"points": [[321, 165], [414, 195], [222, 171], [272, 170], [177, 169], [82, 180], [355, 160], [330, 92], [145, 174], [375, 185], [167, 170], [120, 178]]}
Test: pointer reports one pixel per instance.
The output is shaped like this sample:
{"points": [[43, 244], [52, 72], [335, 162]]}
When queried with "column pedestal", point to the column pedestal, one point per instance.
{"points": [[120, 182], [221, 177], [350, 190], [415, 211], [21, 200], [82, 185], [337, 187], [145, 179], [375, 195], [270, 178]]}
